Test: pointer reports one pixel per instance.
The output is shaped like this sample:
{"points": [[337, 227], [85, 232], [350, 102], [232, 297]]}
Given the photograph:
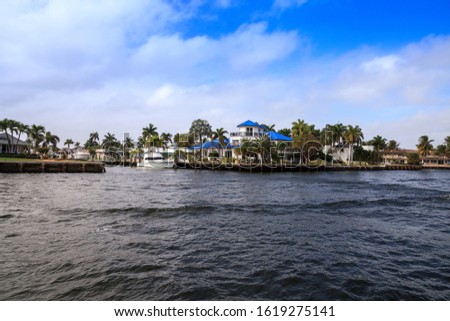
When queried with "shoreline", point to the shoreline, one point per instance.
{"points": [[264, 168], [44, 166]]}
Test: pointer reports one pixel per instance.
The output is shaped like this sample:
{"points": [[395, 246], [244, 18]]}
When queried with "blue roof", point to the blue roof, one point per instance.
{"points": [[213, 144], [279, 137], [249, 123]]}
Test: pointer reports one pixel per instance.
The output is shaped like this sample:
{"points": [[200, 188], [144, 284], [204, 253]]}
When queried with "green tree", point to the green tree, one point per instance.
{"points": [[413, 158], [11, 126], [353, 135], [219, 134], [21, 129], [392, 145], [110, 142], [67, 143], [447, 143], [200, 128], [285, 131], [303, 132], [424, 147], [379, 143], [93, 140], [37, 135], [50, 140], [149, 131], [269, 128]]}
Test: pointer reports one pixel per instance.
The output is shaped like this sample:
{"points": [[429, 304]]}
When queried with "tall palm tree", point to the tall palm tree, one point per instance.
{"points": [[13, 127], [149, 131], [4, 126], [379, 143], [353, 135], [219, 134], [447, 143], [50, 140], [21, 128], [93, 140], [166, 138], [67, 143], [37, 134], [110, 141], [424, 147], [338, 132]]}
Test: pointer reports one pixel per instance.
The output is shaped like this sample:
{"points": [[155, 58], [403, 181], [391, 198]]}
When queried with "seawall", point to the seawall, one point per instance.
{"points": [[258, 168], [51, 167]]}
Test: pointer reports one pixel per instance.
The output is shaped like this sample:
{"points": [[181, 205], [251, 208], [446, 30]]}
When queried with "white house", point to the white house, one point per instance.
{"points": [[247, 130]]}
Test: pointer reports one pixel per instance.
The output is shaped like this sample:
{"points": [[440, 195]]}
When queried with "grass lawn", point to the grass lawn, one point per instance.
{"points": [[21, 160]]}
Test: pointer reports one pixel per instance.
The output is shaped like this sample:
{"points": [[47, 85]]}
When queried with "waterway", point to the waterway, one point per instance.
{"points": [[138, 234]]}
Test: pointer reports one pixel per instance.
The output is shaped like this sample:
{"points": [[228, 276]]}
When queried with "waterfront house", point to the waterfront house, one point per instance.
{"points": [[246, 130], [5, 148], [250, 130]]}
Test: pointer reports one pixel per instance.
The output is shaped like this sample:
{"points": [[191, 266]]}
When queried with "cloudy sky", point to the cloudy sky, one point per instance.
{"points": [[77, 66]]}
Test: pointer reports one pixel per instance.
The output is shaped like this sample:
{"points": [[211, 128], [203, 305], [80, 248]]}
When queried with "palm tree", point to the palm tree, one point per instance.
{"points": [[12, 126], [110, 141], [353, 135], [4, 126], [379, 143], [165, 138], [269, 128], [37, 134], [447, 143], [302, 132], [285, 131], [93, 140], [338, 131], [21, 128], [50, 140], [392, 145], [13, 129], [219, 134], [149, 131], [68, 142], [424, 147]]}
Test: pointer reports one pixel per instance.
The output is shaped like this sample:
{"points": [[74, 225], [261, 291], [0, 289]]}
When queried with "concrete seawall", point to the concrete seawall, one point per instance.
{"points": [[51, 167], [257, 168]]}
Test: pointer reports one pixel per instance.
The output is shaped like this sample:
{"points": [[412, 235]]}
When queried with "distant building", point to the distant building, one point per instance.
{"points": [[4, 145], [400, 156]]}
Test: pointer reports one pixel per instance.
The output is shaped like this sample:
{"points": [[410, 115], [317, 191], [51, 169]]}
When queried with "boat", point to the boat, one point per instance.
{"points": [[81, 154], [154, 160]]}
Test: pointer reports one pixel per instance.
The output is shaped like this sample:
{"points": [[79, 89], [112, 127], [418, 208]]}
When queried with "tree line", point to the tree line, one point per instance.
{"points": [[39, 140]]}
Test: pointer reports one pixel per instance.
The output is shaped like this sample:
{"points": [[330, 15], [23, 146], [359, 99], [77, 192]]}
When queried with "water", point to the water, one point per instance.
{"points": [[134, 234]]}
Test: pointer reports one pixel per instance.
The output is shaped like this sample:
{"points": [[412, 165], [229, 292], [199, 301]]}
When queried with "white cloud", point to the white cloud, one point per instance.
{"points": [[284, 4], [381, 64], [114, 66]]}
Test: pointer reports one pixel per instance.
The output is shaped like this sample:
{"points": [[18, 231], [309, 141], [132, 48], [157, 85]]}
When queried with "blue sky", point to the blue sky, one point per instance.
{"points": [[115, 66]]}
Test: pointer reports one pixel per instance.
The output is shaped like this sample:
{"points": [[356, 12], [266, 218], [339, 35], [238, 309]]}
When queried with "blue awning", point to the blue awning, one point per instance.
{"points": [[214, 144], [278, 137]]}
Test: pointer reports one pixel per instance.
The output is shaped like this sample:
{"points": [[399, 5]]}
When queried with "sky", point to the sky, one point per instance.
{"points": [[78, 66]]}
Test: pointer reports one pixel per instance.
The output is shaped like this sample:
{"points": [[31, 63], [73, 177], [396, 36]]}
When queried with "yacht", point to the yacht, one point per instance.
{"points": [[154, 160]]}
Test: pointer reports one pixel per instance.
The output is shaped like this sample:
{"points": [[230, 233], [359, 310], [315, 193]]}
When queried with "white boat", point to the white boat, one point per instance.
{"points": [[155, 160], [81, 154]]}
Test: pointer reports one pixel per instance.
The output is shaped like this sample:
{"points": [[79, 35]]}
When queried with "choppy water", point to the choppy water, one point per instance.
{"points": [[134, 234]]}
